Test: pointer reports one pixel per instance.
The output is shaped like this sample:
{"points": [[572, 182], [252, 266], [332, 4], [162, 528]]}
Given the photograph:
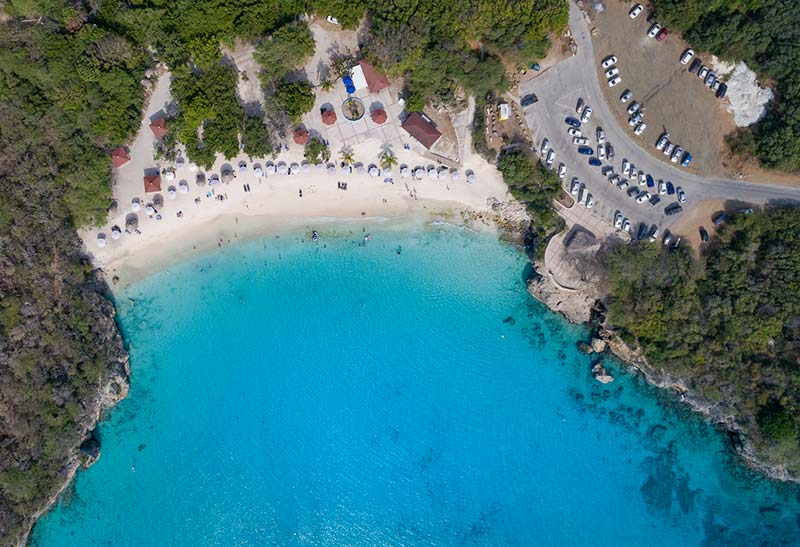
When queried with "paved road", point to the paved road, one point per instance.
{"points": [[559, 88]]}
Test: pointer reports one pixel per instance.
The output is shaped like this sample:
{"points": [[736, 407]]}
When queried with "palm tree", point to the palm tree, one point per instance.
{"points": [[326, 85], [388, 160], [346, 155]]}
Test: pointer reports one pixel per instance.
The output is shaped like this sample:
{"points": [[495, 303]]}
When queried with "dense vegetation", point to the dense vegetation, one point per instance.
{"points": [[530, 182], [766, 35], [729, 323]]}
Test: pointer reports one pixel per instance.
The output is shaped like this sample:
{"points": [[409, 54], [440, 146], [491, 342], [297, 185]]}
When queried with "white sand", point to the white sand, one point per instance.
{"points": [[273, 205]]}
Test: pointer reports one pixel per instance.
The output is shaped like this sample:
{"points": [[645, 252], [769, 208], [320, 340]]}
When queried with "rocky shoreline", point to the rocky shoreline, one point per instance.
{"points": [[583, 307]]}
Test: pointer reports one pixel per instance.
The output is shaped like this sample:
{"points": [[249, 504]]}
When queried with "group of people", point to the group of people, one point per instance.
{"points": [[341, 185]]}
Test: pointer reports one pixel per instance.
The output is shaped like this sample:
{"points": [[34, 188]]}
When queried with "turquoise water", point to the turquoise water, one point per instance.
{"points": [[404, 393]]}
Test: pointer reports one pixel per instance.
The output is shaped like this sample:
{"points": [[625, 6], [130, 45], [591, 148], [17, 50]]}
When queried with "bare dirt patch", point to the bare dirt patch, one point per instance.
{"points": [[672, 98]]}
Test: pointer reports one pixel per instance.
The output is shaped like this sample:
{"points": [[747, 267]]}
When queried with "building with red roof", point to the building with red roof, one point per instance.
{"points": [[152, 183], [375, 80], [421, 128], [159, 127], [119, 157]]}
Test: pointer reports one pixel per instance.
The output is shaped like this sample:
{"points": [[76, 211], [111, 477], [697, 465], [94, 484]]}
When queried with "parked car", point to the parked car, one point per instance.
{"points": [[632, 171], [667, 238], [579, 105], [635, 11], [626, 165], [703, 234], [611, 72], [639, 129], [614, 81], [529, 99], [634, 107], [595, 162], [669, 148], [582, 195], [576, 186], [662, 187], [626, 225], [644, 196], [636, 118], [745, 211], [676, 155], [562, 171], [719, 218], [626, 96], [580, 140], [710, 79], [653, 233], [623, 185], [574, 132], [613, 179], [589, 201], [672, 209], [572, 121], [601, 152], [681, 194], [618, 220], [332, 20], [551, 155], [655, 200], [662, 34], [585, 150], [601, 135], [609, 151], [687, 159], [654, 29], [611, 60], [607, 170], [545, 146], [695, 66], [687, 56], [650, 182], [642, 178], [642, 231], [587, 113], [702, 73], [633, 191], [715, 85], [670, 188], [723, 89], [662, 141]]}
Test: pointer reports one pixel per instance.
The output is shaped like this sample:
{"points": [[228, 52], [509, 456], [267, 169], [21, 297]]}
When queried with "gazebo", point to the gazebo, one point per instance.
{"points": [[300, 136], [152, 183], [119, 157], [378, 116], [328, 116]]}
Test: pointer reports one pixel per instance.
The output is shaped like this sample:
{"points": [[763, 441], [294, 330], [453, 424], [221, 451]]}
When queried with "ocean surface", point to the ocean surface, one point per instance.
{"points": [[403, 392]]}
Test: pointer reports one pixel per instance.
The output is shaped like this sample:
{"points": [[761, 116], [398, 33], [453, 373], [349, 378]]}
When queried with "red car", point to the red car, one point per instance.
{"points": [[663, 34]]}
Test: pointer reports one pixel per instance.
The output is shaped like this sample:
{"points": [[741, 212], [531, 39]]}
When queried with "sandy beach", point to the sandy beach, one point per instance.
{"points": [[195, 218]]}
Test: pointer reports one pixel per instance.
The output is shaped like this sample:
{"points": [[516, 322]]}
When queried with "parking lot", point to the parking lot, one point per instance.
{"points": [[672, 98]]}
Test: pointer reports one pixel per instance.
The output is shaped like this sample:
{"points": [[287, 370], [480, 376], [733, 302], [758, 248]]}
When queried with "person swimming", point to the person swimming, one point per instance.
{"points": [[314, 235]]}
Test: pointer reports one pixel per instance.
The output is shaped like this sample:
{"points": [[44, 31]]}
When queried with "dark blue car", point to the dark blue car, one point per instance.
{"points": [[655, 200], [585, 150], [572, 121], [529, 99], [687, 159], [670, 188], [595, 162], [650, 182]]}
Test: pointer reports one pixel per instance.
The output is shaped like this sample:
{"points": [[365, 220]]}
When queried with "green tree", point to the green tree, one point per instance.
{"points": [[287, 49], [295, 98], [317, 151]]}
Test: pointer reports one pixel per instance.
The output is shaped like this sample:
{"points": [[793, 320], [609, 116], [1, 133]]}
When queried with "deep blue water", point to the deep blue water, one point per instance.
{"points": [[404, 393]]}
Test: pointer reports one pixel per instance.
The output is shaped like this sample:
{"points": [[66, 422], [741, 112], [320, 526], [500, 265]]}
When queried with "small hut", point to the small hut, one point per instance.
{"points": [[119, 157], [152, 183], [159, 127], [300, 136]]}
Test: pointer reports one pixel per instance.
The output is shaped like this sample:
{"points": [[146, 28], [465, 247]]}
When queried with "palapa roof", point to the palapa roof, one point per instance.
{"points": [[300, 135], [159, 127], [328, 116], [421, 129], [119, 157], [152, 183], [378, 116], [375, 80]]}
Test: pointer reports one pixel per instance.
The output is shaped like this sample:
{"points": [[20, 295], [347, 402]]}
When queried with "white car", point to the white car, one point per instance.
{"points": [[613, 179], [611, 72], [654, 29], [601, 152], [587, 113], [332, 20], [626, 225], [582, 195], [562, 171], [633, 108], [636, 118], [668, 148], [662, 141], [681, 194], [589, 201], [601, 135], [574, 132], [687, 56], [579, 106], [545, 146], [642, 178], [626, 165], [580, 141], [609, 61], [614, 81], [662, 187], [626, 96], [676, 155], [576, 186], [639, 129], [551, 155], [703, 73], [644, 196], [635, 11], [618, 220], [623, 185]]}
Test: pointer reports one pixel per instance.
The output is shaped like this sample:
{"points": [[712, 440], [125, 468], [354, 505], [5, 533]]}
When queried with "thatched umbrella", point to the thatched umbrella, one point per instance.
{"points": [[131, 222], [183, 187], [172, 192], [374, 171], [200, 180], [347, 169], [432, 172], [404, 171], [158, 201], [419, 172], [360, 169], [319, 166], [150, 210], [192, 167], [180, 162], [455, 175], [270, 168], [227, 176], [282, 169], [101, 240], [471, 178], [294, 169], [242, 167], [116, 232], [305, 166], [331, 169], [113, 207], [169, 174], [257, 170], [136, 205]]}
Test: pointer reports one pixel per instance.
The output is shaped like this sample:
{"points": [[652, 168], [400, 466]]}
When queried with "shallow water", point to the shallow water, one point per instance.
{"points": [[404, 393]]}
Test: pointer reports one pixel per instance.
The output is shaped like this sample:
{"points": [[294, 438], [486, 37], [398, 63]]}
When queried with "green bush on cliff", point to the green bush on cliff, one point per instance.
{"points": [[777, 423]]}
